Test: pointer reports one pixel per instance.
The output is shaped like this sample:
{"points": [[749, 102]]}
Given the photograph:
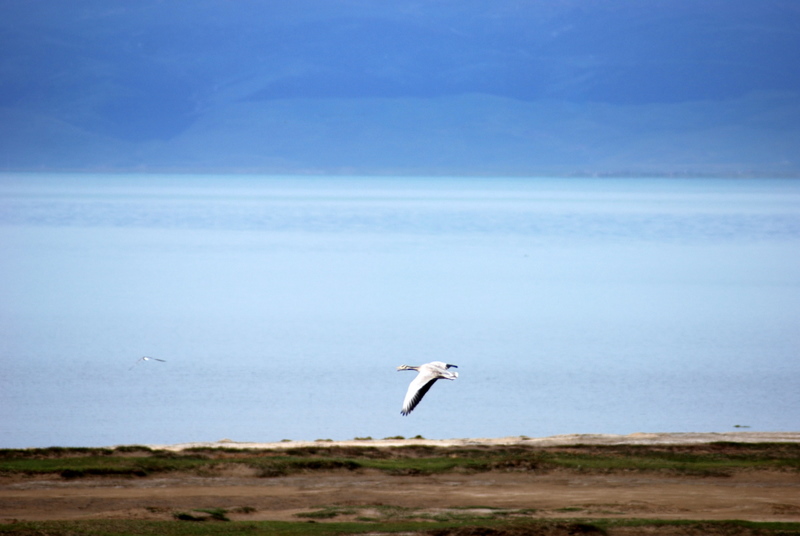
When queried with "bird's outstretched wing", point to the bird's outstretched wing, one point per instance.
{"points": [[419, 386]]}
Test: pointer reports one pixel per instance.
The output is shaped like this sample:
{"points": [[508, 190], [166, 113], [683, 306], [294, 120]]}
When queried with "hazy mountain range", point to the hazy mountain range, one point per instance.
{"points": [[568, 87]]}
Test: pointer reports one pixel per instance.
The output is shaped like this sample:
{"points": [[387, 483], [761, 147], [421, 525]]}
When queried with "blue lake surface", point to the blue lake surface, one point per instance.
{"points": [[282, 306]]}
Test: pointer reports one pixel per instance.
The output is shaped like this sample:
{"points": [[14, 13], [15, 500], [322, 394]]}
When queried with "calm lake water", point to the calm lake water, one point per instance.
{"points": [[283, 305]]}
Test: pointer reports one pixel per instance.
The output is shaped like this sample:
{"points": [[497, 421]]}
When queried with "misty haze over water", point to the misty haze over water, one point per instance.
{"points": [[282, 306]]}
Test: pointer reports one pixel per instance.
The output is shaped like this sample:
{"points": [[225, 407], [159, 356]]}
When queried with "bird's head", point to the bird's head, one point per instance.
{"points": [[406, 367]]}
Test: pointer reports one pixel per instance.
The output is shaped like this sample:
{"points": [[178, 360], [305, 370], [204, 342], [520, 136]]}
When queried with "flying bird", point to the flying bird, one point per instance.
{"points": [[428, 374], [147, 358]]}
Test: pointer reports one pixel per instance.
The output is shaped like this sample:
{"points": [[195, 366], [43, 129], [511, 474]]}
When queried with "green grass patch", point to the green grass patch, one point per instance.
{"points": [[431, 528], [83, 466], [717, 459], [424, 466], [284, 466], [702, 528]]}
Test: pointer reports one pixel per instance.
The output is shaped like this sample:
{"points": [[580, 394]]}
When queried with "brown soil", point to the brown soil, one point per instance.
{"points": [[754, 496], [746, 495]]}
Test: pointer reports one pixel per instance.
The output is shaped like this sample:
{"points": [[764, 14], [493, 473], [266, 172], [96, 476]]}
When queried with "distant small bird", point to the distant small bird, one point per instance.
{"points": [[147, 358], [428, 374]]}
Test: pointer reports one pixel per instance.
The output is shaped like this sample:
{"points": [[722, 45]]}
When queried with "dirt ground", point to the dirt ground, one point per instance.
{"points": [[747, 495]]}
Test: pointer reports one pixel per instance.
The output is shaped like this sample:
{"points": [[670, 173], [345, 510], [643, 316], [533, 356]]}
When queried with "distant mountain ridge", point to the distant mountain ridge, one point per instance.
{"points": [[554, 87], [434, 136]]}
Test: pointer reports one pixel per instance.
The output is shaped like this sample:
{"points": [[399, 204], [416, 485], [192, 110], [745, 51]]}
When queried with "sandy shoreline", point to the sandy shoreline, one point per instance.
{"points": [[689, 438]]}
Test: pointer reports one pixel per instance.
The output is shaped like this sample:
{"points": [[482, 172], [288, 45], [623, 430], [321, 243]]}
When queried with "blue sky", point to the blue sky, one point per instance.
{"points": [[434, 87]]}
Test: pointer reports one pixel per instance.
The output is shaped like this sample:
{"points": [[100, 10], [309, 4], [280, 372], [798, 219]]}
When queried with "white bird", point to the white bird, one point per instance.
{"points": [[147, 358], [428, 374]]}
